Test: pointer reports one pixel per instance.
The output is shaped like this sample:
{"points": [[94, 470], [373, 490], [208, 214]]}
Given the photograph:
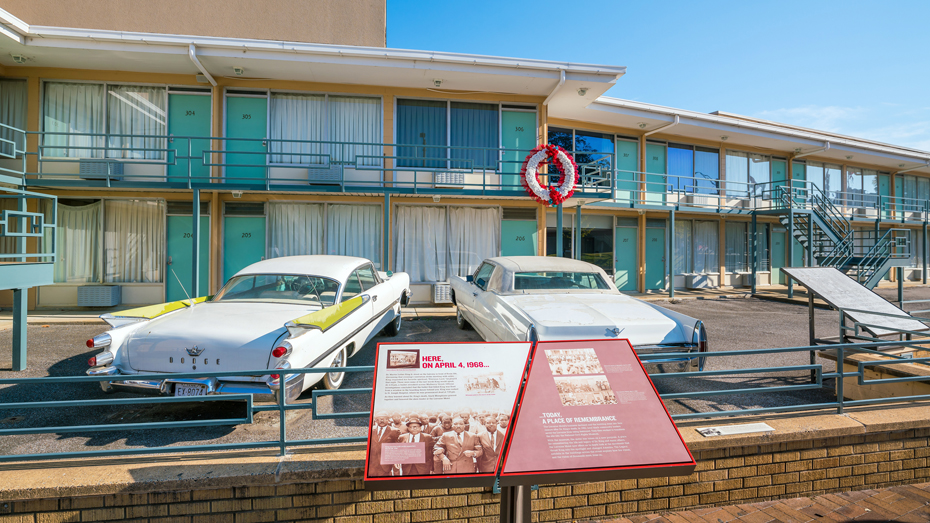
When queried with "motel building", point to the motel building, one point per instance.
{"points": [[262, 136]]}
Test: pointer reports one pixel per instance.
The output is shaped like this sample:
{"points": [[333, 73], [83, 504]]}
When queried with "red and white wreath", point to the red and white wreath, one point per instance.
{"points": [[550, 194]]}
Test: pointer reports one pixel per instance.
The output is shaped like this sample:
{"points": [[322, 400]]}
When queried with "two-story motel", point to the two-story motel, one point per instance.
{"points": [[160, 123]]}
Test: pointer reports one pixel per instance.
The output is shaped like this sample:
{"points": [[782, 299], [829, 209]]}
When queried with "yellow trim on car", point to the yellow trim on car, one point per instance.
{"points": [[325, 318], [154, 311]]}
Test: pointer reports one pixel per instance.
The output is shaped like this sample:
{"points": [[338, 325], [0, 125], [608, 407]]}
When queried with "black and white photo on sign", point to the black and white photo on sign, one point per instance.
{"points": [[403, 358], [488, 383], [585, 390], [573, 361]]}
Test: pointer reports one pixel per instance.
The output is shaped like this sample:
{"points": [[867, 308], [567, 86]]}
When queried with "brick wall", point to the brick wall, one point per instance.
{"points": [[727, 475]]}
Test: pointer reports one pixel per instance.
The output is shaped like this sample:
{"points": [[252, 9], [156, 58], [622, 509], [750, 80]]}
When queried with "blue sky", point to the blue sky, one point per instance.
{"points": [[852, 67]]}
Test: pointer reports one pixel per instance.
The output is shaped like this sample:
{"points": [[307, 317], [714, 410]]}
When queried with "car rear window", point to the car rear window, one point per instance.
{"points": [[557, 281]]}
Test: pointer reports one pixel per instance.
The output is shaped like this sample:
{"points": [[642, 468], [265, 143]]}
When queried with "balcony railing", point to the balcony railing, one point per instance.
{"points": [[189, 161]]}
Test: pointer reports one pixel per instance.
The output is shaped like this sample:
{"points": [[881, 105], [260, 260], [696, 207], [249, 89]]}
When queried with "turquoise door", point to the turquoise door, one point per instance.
{"points": [[655, 177], [246, 118], [518, 131], [243, 243], [884, 192], [518, 238], [627, 167], [655, 258], [179, 251], [188, 116], [625, 256], [779, 177], [778, 257], [798, 179]]}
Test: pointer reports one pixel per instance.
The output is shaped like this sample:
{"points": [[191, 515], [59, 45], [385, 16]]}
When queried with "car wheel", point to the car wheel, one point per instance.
{"points": [[460, 320], [393, 328], [333, 380]]}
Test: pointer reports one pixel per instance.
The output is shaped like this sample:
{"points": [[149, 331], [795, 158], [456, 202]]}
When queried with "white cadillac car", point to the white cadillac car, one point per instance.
{"points": [[289, 312], [529, 298]]}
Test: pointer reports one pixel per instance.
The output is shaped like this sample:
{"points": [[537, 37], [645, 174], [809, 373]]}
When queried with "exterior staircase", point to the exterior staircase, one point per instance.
{"points": [[820, 226]]}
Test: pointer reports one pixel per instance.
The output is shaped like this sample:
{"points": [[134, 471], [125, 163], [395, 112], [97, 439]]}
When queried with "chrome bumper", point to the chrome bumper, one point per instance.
{"points": [[261, 391], [674, 363]]}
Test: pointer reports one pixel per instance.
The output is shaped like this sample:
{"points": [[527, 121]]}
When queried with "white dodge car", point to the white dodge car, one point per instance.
{"points": [[528, 298], [283, 313]]}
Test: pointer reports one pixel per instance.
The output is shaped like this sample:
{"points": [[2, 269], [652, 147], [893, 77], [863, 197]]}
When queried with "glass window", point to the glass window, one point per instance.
{"points": [[355, 119], [133, 241], [564, 138], [287, 288], [483, 275], [559, 281], [353, 287], [13, 113], [599, 147], [597, 241], [706, 170], [74, 115], [422, 125], [139, 111], [705, 247], [79, 239], [737, 173], [870, 187], [833, 182], [759, 169], [854, 186], [366, 275], [474, 134], [294, 119], [681, 168], [683, 247], [736, 257]]}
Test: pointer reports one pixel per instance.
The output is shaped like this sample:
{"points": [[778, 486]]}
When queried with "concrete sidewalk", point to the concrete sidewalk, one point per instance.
{"points": [[906, 503]]}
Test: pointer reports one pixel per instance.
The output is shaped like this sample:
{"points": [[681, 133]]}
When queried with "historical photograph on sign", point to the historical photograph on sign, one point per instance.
{"points": [[447, 415], [587, 390], [403, 359], [574, 361]]}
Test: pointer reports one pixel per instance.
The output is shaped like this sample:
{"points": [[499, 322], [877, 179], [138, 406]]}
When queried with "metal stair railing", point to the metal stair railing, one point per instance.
{"points": [[836, 251], [895, 243]]}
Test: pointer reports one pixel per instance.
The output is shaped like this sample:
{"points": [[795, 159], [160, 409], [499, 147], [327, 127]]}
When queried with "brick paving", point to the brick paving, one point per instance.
{"points": [[905, 503]]}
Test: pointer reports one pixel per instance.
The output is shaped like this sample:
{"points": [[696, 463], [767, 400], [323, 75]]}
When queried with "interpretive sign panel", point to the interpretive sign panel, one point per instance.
{"points": [[441, 411], [588, 413]]}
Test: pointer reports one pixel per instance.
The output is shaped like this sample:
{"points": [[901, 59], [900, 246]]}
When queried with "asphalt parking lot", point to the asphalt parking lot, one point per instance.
{"points": [[732, 324]]}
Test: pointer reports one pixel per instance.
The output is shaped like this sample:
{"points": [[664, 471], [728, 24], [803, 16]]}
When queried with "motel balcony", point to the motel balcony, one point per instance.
{"points": [[63, 160]]}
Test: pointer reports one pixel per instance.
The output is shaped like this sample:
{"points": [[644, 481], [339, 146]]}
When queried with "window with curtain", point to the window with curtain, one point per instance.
{"points": [[134, 241], [474, 135], [354, 230], [683, 246], [420, 242], [292, 119], [295, 229], [78, 238], [705, 247], [870, 187], [355, 119], [140, 111], [77, 109], [737, 173], [474, 234], [854, 186], [706, 170], [833, 182], [737, 255], [12, 113], [421, 125], [760, 169]]}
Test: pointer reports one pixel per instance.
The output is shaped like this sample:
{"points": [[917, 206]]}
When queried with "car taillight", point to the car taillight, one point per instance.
{"points": [[279, 351], [101, 340], [275, 376], [104, 358], [93, 360]]}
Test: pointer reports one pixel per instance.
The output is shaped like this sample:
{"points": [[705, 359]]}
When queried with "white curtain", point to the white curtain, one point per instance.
{"points": [[297, 117], [474, 234], [73, 108], [141, 112], [12, 113], [737, 174], [354, 230], [420, 242], [683, 246], [705, 247], [355, 119], [134, 241], [296, 228], [78, 244], [737, 254]]}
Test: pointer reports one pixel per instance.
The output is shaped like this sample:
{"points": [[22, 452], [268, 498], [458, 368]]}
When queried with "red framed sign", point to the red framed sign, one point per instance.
{"points": [[441, 411], [589, 412]]}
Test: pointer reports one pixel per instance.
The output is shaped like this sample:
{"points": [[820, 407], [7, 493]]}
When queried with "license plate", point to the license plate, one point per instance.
{"points": [[189, 389]]}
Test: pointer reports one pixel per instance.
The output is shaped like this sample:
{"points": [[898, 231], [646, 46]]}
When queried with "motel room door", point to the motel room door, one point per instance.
{"points": [[779, 234], [188, 115], [247, 117], [655, 179], [518, 131], [625, 256], [627, 173], [243, 236], [180, 256], [655, 258]]}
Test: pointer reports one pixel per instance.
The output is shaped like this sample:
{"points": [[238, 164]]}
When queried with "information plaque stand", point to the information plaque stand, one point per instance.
{"points": [[575, 411]]}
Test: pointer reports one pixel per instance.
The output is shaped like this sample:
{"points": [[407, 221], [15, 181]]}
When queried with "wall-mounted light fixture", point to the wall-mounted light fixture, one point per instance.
{"points": [[724, 138], [642, 125], [437, 82], [436, 198], [237, 194], [18, 58], [239, 71], [582, 91]]}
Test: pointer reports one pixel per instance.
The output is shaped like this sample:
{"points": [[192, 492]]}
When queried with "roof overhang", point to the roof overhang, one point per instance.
{"points": [[70, 48], [733, 131]]}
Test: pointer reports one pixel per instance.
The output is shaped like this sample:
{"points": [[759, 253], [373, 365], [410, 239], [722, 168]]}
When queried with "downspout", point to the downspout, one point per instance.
{"points": [[825, 147], [557, 87], [664, 127], [192, 53]]}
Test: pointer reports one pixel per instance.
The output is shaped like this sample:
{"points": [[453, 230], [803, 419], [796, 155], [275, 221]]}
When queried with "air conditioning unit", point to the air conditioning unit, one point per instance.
{"points": [[442, 293], [97, 170], [450, 179], [331, 174], [98, 295]]}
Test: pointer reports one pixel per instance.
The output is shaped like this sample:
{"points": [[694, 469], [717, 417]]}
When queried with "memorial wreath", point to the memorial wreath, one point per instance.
{"points": [[552, 194]]}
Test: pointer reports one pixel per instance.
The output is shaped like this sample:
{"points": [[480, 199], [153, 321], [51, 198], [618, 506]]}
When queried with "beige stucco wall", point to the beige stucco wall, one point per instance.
{"points": [[349, 22]]}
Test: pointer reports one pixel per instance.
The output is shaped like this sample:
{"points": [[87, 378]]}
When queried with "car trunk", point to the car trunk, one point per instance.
{"points": [[595, 316], [230, 336]]}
